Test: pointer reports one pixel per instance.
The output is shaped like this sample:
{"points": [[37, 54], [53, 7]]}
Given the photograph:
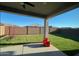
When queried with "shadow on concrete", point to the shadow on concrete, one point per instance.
{"points": [[53, 53], [34, 45], [71, 52], [18, 43], [12, 44], [7, 53], [49, 53]]}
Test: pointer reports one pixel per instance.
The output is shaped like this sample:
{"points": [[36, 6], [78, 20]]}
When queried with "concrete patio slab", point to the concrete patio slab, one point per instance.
{"points": [[33, 49], [11, 50]]}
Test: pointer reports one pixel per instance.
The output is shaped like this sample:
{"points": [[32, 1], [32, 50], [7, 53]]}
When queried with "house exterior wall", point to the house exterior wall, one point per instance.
{"points": [[2, 30]]}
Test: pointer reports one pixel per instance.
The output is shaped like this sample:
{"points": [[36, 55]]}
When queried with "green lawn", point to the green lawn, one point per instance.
{"points": [[70, 47], [19, 39]]}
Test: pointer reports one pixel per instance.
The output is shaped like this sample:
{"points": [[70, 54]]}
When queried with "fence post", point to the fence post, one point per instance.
{"points": [[27, 30], [39, 30], [49, 29], [9, 30]]}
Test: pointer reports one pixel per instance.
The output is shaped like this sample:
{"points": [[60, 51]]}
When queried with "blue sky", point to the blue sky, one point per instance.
{"points": [[68, 19], [20, 20]]}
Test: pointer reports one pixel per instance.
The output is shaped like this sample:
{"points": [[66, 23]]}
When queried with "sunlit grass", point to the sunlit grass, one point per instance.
{"points": [[22, 39]]}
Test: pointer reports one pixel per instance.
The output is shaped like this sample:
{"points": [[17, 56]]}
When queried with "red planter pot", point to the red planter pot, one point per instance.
{"points": [[46, 42]]}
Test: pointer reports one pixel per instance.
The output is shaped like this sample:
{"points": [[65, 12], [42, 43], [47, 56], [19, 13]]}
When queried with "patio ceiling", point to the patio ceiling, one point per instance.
{"points": [[41, 9]]}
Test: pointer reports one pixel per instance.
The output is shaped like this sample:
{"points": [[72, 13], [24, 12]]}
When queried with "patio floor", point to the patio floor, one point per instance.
{"points": [[33, 49]]}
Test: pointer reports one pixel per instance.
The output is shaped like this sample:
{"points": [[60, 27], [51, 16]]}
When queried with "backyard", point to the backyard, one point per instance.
{"points": [[67, 45], [21, 30]]}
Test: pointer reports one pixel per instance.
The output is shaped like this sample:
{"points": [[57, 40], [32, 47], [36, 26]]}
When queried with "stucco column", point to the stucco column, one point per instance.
{"points": [[46, 41], [46, 28]]}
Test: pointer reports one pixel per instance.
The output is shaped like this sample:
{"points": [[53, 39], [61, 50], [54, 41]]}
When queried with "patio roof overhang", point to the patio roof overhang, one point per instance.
{"points": [[41, 9]]}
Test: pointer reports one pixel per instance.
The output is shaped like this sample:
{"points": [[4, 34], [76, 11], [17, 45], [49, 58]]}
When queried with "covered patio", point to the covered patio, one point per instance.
{"points": [[42, 10]]}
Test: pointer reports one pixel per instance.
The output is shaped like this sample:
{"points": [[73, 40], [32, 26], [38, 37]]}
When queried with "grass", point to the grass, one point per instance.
{"points": [[69, 46], [18, 39]]}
